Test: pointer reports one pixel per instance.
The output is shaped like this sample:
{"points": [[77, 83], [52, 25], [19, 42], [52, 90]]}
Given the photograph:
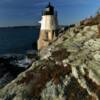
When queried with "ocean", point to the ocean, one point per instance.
{"points": [[18, 40]]}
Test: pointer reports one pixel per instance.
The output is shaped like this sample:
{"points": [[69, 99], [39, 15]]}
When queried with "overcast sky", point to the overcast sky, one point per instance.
{"points": [[28, 12]]}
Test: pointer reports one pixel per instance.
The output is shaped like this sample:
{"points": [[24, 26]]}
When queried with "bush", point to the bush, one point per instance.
{"points": [[91, 21], [98, 35]]}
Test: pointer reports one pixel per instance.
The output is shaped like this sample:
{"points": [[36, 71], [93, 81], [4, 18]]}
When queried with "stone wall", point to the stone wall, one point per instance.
{"points": [[46, 37]]}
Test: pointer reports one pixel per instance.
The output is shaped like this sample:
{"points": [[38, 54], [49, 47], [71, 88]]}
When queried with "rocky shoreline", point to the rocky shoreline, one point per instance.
{"points": [[11, 65], [68, 69]]}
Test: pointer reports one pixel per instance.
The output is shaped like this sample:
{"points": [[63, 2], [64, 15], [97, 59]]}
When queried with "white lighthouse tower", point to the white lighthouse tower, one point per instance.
{"points": [[49, 25]]}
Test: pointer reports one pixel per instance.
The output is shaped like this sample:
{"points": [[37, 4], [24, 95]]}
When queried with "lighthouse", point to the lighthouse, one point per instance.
{"points": [[49, 25]]}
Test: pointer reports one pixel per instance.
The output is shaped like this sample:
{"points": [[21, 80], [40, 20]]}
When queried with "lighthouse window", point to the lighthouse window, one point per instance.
{"points": [[48, 9]]}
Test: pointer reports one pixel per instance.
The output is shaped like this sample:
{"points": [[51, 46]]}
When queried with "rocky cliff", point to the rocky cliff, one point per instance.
{"points": [[69, 69]]}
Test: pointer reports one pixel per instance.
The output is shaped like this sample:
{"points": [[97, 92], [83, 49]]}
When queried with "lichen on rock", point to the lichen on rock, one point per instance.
{"points": [[68, 69]]}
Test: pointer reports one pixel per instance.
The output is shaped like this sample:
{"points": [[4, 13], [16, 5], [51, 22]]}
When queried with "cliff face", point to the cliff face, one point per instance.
{"points": [[69, 69]]}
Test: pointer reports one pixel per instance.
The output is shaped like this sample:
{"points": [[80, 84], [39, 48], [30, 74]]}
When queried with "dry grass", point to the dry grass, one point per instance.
{"points": [[60, 54], [91, 21], [92, 85], [74, 91], [98, 35], [40, 77]]}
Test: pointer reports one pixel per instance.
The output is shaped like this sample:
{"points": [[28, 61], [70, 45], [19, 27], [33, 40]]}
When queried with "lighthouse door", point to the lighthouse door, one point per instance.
{"points": [[46, 36]]}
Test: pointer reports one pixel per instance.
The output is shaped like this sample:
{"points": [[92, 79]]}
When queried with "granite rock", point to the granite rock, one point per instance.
{"points": [[68, 69]]}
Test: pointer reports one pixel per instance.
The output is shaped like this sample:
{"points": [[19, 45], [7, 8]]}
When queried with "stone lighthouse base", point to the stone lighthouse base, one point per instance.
{"points": [[42, 44], [45, 38]]}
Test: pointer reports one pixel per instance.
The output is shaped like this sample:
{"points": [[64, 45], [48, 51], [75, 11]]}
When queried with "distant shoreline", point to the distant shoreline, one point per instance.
{"points": [[20, 27]]}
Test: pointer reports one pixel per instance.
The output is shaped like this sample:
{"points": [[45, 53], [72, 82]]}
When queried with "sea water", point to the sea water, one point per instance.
{"points": [[17, 40]]}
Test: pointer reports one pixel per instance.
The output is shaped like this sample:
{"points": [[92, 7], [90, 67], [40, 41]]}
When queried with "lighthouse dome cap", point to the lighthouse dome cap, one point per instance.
{"points": [[49, 5], [49, 10]]}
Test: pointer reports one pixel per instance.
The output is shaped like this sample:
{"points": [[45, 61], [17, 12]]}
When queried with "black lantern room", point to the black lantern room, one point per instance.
{"points": [[49, 10]]}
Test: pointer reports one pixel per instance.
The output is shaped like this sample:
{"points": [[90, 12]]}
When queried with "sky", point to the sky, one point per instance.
{"points": [[28, 12]]}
